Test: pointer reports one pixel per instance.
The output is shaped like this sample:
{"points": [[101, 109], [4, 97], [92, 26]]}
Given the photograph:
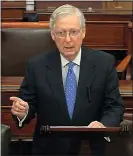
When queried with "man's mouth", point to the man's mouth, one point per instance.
{"points": [[69, 47]]}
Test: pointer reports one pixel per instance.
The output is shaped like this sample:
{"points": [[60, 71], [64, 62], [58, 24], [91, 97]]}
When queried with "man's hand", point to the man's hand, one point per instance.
{"points": [[96, 124], [19, 107]]}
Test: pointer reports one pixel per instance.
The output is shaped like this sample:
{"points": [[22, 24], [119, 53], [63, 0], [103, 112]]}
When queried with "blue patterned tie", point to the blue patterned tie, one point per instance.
{"points": [[70, 88]]}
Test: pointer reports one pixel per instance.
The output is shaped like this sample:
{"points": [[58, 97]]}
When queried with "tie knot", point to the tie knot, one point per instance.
{"points": [[70, 65]]}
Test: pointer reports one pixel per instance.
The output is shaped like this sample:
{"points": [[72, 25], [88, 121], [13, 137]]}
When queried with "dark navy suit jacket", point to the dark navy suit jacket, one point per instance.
{"points": [[98, 97]]}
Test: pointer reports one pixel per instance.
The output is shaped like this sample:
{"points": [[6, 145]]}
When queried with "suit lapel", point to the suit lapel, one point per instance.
{"points": [[54, 77], [86, 76]]}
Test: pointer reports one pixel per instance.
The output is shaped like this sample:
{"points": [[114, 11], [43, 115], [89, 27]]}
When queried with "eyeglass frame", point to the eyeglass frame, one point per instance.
{"points": [[67, 32]]}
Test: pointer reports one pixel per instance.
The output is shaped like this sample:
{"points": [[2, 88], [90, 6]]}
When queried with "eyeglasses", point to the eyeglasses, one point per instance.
{"points": [[63, 33]]}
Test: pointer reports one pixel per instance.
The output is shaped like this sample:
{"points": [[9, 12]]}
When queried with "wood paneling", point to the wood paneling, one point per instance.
{"points": [[118, 5], [48, 6], [12, 10], [13, 4], [106, 35], [80, 4], [12, 13], [96, 16], [130, 38]]}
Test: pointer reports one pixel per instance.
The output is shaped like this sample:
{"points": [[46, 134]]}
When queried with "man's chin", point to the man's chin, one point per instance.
{"points": [[69, 53]]}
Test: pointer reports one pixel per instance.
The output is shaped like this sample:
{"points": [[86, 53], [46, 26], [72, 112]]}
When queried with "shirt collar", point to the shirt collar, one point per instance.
{"points": [[77, 60]]}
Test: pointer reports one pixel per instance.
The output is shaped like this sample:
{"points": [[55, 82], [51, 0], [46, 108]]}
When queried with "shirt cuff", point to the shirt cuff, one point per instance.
{"points": [[21, 120], [107, 139]]}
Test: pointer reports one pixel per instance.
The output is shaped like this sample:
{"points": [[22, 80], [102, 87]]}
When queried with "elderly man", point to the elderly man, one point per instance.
{"points": [[72, 85]]}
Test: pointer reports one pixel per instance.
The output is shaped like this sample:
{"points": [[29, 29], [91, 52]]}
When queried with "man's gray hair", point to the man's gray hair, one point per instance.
{"points": [[65, 10]]}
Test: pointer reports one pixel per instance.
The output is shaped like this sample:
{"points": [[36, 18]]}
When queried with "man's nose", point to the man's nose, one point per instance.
{"points": [[68, 38]]}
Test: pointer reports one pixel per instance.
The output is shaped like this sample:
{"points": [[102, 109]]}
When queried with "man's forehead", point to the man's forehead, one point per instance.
{"points": [[67, 18], [67, 29], [70, 24]]}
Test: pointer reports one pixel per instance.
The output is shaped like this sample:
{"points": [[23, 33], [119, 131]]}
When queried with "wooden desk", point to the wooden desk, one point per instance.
{"points": [[82, 132], [126, 90], [12, 11], [10, 87], [12, 14]]}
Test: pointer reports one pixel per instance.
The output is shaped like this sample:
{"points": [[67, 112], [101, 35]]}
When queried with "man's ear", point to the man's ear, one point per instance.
{"points": [[52, 35]]}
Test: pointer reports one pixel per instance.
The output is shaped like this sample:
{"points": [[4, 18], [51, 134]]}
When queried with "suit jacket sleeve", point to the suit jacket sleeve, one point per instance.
{"points": [[28, 92], [113, 104]]}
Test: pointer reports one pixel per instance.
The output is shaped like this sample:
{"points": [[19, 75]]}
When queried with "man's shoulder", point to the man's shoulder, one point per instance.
{"points": [[42, 57], [98, 55]]}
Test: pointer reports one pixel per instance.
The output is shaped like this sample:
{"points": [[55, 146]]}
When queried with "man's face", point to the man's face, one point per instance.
{"points": [[68, 36]]}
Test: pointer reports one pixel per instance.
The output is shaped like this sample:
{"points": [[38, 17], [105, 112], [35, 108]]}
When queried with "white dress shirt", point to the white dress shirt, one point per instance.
{"points": [[76, 68]]}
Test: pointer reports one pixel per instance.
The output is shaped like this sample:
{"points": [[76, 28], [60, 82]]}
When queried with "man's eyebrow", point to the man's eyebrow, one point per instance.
{"points": [[68, 29]]}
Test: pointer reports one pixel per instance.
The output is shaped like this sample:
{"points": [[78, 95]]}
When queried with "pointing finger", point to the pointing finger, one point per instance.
{"points": [[13, 98]]}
